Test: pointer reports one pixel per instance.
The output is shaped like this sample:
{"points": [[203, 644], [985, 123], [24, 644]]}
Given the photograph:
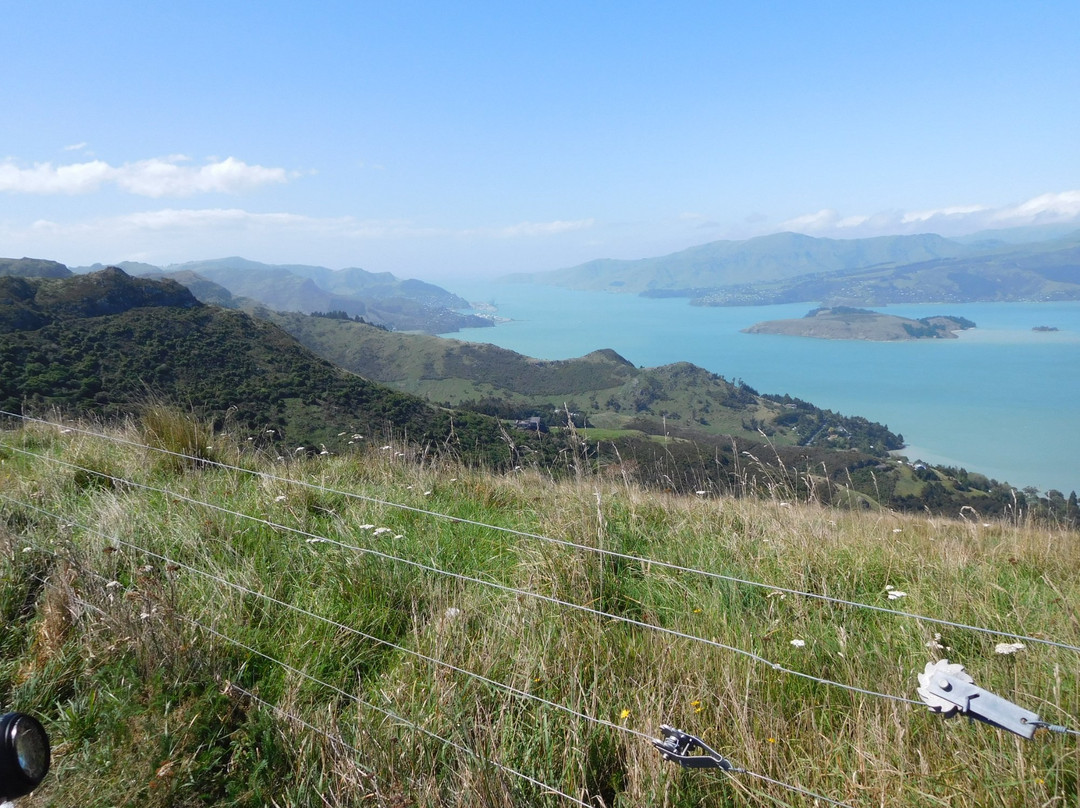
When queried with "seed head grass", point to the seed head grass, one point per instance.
{"points": [[345, 630]]}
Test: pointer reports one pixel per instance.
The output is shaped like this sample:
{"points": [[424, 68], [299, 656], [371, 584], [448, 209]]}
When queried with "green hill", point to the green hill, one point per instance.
{"points": [[32, 268], [105, 343], [601, 389], [677, 426]]}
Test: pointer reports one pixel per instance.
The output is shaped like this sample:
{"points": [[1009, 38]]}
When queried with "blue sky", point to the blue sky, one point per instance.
{"points": [[438, 139]]}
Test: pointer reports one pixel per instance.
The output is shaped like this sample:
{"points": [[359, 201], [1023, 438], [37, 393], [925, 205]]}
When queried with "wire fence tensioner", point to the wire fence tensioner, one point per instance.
{"points": [[949, 690], [690, 751]]}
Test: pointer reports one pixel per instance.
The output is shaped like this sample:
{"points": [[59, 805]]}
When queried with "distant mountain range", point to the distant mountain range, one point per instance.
{"points": [[377, 297], [791, 268]]}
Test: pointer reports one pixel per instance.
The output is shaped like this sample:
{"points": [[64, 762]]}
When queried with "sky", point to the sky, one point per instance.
{"points": [[442, 140]]}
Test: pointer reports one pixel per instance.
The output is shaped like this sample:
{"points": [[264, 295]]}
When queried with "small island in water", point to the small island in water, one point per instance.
{"points": [[845, 322]]}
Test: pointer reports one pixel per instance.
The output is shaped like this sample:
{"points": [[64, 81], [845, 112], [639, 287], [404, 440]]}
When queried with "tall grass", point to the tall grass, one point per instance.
{"points": [[145, 625]]}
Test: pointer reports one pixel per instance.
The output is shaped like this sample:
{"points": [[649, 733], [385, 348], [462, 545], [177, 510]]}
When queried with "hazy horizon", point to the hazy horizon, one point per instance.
{"points": [[476, 141]]}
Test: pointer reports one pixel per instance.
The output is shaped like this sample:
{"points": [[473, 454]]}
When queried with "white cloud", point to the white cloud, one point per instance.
{"points": [[1051, 208], [44, 178], [76, 146], [1045, 208], [927, 215], [156, 177], [825, 219], [543, 228]]}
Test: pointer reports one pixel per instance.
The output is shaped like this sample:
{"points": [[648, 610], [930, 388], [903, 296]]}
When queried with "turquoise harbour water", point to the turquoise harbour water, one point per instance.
{"points": [[1002, 400]]}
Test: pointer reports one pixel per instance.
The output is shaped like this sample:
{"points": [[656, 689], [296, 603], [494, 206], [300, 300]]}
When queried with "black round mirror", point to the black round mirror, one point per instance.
{"points": [[24, 755]]}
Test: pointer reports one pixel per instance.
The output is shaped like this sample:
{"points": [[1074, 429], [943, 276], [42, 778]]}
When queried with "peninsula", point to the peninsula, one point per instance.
{"points": [[845, 322]]}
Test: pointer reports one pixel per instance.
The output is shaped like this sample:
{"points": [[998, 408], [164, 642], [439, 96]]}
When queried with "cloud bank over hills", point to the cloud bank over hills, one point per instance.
{"points": [[1050, 208], [402, 245]]}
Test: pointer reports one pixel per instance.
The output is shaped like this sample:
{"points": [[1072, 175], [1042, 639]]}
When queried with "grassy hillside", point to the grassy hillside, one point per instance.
{"points": [[601, 389], [674, 427], [371, 630], [107, 343]]}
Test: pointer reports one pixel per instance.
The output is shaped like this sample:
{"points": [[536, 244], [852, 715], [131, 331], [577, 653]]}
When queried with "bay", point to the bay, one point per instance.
{"points": [[1001, 400]]}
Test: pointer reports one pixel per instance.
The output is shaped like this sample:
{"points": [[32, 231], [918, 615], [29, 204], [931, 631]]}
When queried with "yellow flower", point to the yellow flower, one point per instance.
{"points": [[772, 740], [624, 714], [695, 703]]}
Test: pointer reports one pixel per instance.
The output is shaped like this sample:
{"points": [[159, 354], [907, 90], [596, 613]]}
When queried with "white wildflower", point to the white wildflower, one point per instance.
{"points": [[894, 593], [798, 643], [280, 498], [701, 493], [387, 448], [112, 584], [897, 530], [1008, 647], [365, 527], [380, 530], [452, 612], [936, 645], [358, 436]]}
